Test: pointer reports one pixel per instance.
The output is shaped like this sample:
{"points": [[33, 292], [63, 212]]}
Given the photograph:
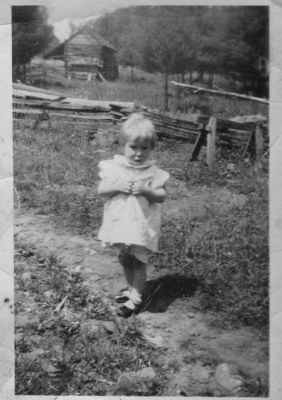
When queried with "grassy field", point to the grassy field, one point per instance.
{"points": [[148, 90], [56, 174], [224, 244]]}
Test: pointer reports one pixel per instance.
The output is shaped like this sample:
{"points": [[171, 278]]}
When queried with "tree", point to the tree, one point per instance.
{"points": [[227, 40], [129, 53], [31, 34], [168, 44]]}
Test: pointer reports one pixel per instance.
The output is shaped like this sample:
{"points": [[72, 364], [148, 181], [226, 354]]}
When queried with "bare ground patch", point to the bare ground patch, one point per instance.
{"points": [[70, 341]]}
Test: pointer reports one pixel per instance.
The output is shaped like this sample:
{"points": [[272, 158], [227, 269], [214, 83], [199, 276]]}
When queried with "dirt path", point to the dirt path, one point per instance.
{"points": [[200, 360]]}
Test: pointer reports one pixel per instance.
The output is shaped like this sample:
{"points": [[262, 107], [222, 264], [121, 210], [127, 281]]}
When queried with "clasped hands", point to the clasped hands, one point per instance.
{"points": [[131, 187]]}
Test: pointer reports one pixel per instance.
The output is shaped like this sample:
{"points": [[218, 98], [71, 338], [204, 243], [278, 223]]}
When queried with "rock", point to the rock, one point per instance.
{"points": [[144, 374], [135, 383], [228, 379], [231, 167], [90, 328], [109, 326], [48, 367], [26, 276], [157, 340], [200, 373], [48, 294], [77, 268]]}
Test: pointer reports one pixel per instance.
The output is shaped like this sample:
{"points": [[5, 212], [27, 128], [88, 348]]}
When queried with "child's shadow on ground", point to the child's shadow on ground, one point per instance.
{"points": [[160, 293]]}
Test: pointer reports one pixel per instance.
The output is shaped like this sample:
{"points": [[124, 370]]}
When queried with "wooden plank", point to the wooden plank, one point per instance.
{"points": [[169, 117], [21, 86], [71, 100], [198, 89], [178, 129], [35, 112], [55, 124], [200, 141], [211, 142], [55, 106], [33, 95], [258, 142], [249, 143]]}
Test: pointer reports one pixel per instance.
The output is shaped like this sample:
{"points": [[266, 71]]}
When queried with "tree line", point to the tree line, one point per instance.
{"points": [[180, 40], [31, 35], [227, 40]]}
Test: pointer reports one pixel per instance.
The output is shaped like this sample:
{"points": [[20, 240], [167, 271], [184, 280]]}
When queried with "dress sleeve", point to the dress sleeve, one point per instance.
{"points": [[104, 169], [161, 177]]}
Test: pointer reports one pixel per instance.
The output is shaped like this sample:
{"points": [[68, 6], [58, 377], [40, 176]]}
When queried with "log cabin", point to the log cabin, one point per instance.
{"points": [[86, 53]]}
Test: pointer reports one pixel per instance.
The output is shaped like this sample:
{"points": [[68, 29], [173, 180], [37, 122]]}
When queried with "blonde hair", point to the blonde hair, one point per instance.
{"points": [[138, 127]]}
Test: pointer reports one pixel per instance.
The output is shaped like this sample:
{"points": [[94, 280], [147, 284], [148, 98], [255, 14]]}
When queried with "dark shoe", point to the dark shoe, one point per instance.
{"points": [[125, 312], [122, 296]]}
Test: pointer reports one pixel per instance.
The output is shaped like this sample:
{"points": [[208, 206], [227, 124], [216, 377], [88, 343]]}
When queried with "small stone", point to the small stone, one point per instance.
{"points": [[49, 368], [190, 315], [48, 294], [200, 373], [26, 276], [155, 340], [231, 167], [109, 326], [77, 268], [146, 373], [90, 328], [227, 377]]}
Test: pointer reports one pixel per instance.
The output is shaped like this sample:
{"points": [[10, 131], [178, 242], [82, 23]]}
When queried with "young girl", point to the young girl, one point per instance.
{"points": [[135, 189]]}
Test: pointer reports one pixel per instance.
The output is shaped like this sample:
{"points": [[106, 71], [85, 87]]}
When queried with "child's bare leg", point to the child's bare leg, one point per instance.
{"points": [[139, 279], [126, 260], [138, 274]]}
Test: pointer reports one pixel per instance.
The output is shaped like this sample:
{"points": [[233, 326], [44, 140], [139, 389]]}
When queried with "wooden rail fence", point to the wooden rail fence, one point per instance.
{"points": [[55, 109]]}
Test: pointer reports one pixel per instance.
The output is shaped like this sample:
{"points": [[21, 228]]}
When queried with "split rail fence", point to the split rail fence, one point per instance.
{"points": [[54, 109]]}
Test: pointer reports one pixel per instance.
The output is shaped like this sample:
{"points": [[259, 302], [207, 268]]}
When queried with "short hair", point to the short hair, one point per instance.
{"points": [[138, 127]]}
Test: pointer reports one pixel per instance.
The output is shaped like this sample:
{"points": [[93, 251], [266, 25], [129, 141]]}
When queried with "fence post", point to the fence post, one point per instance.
{"points": [[211, 142], [258, 142]]}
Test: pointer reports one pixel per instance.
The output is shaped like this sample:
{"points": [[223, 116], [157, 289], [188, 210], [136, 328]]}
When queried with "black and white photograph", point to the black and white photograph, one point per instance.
{"points": [[141, 180]]}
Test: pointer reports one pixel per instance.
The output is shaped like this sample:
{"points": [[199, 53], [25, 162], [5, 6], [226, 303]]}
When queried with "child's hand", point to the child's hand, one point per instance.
{"points": [[124, 186], [139, 188]]}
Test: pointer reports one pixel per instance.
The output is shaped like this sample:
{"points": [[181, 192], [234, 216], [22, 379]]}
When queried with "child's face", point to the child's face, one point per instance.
{"points": [[137, 152]]}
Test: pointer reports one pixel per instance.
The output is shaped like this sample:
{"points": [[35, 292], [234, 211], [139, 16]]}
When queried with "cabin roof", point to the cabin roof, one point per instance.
{"points": [[58, 51]]}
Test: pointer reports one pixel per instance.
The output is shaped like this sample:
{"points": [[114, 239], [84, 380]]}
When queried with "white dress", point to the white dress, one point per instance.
{"points": [[131, 219]]}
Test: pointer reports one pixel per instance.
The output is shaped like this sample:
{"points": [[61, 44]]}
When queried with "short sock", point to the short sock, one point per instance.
{"points": [[135, 296]]}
